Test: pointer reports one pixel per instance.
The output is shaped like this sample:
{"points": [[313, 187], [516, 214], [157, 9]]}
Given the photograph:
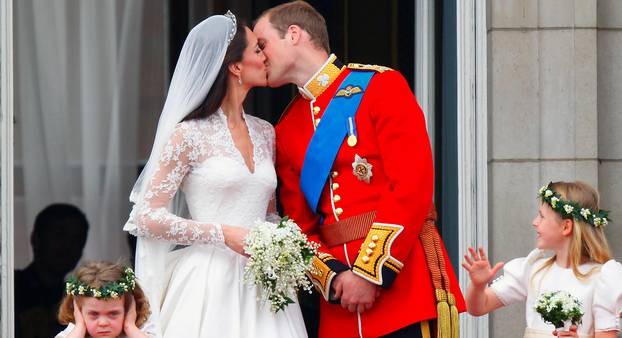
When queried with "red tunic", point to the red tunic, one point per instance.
{"points": [[392, 137]]}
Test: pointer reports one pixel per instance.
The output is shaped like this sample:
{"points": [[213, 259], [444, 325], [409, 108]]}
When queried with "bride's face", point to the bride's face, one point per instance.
{"points": [[253, 64]]}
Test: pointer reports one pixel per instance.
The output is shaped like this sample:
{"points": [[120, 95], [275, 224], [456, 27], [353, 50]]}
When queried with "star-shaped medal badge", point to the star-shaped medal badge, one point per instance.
{"points": [[361, 169]]}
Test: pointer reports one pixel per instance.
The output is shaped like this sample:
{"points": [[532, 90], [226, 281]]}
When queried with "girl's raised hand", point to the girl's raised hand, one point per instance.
{"points": [[479, 268]]}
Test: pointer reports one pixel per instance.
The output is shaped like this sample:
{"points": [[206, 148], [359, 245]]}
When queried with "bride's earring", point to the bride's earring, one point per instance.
{"points": [[240, 80]]}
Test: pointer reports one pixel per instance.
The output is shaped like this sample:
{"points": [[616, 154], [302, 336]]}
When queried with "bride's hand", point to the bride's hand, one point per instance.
{"points": [[234, 238]]}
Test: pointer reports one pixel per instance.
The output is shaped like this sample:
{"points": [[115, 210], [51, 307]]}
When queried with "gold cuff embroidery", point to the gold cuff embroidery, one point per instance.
{"points": [[376, 252], [394, 264], [321, 275]]}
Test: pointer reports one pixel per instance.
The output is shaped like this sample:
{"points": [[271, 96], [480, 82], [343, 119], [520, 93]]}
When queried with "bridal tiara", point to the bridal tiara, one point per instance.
{"points": [[231, 16]]}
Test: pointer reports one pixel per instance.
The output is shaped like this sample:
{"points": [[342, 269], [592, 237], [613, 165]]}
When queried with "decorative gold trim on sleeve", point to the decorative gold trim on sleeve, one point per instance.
{"points": [[321, 275], [394, 264], [376, 252]]}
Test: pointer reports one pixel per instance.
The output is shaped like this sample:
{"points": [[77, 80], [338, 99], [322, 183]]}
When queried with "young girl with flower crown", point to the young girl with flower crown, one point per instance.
{"points": [[569, 224], [104, 300]]}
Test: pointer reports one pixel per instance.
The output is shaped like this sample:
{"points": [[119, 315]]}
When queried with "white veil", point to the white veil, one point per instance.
{"points": [[199, 62]]}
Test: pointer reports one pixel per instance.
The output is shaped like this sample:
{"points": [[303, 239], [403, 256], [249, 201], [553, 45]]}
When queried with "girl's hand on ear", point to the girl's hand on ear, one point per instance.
{"points": [[130, 316], [79, 331], [129, 322]]}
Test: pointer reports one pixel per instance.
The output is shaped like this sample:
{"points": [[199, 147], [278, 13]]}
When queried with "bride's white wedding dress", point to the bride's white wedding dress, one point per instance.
{"points": [[205, 295]]}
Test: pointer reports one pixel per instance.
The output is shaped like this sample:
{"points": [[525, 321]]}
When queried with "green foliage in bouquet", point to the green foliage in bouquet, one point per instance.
{"points": [[557, 307], [279, 256], [308, 250]]}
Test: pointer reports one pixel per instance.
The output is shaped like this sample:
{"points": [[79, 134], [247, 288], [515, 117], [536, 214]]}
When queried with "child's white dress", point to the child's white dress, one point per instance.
{"points": [[145, 329], [596, 292]]}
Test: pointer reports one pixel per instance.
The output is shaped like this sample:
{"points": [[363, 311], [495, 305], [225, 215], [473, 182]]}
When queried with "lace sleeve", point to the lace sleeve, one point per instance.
{"points": [[152, 216]]}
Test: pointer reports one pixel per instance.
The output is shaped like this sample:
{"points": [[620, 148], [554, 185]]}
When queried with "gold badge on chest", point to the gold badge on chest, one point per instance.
{"points": [[348, 91], [362, 169]]}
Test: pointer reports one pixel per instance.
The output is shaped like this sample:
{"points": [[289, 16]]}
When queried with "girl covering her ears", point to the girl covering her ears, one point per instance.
{"points": [[104, 300], [569, 224]]}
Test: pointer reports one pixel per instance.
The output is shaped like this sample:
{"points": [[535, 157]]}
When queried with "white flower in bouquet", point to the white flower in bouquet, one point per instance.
{"points": [[279, 256], [559, 308]]}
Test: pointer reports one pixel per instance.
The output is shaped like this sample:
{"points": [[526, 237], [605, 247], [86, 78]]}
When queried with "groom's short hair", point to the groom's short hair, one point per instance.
{"points": [[303, 15]]}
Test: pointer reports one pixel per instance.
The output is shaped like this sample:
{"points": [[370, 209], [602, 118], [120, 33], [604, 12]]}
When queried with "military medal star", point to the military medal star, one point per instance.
{"points": [[361, 169]]}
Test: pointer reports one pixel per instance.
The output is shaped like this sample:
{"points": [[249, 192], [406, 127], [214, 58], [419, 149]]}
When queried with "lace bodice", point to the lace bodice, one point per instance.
{"points": [[201, 160]]}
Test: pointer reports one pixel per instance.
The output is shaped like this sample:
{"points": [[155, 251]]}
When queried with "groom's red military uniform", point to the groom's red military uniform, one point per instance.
{"points": [[383, 176]]}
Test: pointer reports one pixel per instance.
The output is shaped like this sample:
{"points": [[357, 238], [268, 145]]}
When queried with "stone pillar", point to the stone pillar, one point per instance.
{"points": [[544, 117], [609, 79]]}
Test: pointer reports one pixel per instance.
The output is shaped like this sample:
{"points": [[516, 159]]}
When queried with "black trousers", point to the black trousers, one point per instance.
{"points": [[310, 306], [410, 331]]}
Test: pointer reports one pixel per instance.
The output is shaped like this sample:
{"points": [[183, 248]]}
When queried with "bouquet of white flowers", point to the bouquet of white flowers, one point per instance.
{"points": [[279, 256], [559, 308]]}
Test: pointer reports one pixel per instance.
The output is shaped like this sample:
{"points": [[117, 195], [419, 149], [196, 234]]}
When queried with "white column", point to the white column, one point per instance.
{"points": [[472, 142], [424, 62], [6, 167]]}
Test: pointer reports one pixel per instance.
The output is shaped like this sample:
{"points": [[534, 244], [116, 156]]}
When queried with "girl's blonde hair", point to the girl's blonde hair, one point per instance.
{"points": [[98, 274], [588, 243]]}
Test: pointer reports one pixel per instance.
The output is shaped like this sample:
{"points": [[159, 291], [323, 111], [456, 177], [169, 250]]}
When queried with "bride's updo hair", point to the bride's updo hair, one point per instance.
{"points": [[217, 93]]}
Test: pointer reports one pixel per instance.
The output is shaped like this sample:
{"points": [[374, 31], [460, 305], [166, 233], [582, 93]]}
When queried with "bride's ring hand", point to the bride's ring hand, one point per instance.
{"points": [[234, 238]]}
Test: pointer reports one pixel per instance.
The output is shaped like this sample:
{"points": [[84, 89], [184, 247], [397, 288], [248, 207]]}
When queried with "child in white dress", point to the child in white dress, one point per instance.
{"points": [[104, 300], [569, 224]]}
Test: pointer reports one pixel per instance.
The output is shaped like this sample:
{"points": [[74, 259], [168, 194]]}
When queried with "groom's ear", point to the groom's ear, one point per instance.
{"points": [[294, 33]]}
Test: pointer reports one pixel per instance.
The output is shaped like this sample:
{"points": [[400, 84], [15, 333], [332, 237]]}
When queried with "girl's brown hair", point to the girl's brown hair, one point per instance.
{"points": [[98, 274]]}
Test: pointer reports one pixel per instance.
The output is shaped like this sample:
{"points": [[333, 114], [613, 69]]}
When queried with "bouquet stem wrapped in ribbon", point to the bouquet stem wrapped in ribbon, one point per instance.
{"points": [[559, 308], [279, 256]]}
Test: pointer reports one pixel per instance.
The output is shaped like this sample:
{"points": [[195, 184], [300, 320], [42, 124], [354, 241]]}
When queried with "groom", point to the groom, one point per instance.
{"points": [[356, 174]]}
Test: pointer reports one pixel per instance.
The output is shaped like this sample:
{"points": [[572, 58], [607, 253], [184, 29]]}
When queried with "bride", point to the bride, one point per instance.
{"points": [[217, 163]]}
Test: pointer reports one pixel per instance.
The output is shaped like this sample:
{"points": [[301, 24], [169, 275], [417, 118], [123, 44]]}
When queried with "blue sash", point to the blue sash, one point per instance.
{"points": [[330, 134]]}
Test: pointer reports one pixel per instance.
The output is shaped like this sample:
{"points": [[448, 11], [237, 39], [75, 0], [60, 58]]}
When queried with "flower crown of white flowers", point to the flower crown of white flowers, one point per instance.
{"points": [[114, 290], [570, 209]]}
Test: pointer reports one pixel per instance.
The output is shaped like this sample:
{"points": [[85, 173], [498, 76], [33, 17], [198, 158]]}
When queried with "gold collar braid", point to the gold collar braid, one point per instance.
{"points": [[323, 78]]}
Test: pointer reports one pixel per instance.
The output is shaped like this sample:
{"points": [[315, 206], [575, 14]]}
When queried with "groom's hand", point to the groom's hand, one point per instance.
{"points": [[356, 294]]}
